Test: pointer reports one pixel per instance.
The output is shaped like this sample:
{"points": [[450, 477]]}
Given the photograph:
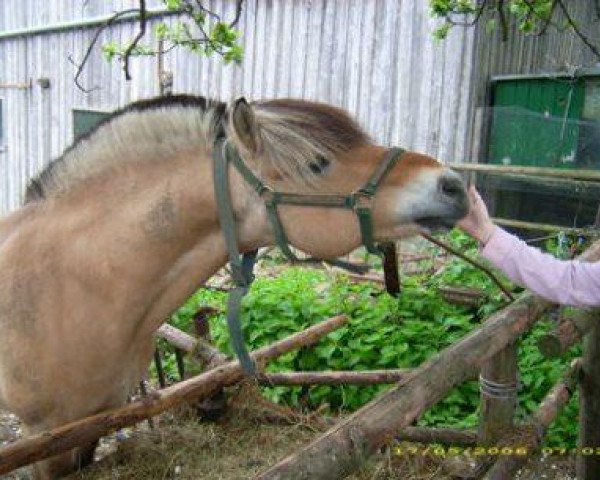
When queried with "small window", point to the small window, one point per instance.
{"points": [[84, 121]]}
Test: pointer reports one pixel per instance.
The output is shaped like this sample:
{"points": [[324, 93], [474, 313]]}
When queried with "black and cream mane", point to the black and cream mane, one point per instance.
{"points": [[293, 133]]}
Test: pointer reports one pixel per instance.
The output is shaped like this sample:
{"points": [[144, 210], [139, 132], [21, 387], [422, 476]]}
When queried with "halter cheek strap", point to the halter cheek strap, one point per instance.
{"points": [[241, 266], [361, 201]]}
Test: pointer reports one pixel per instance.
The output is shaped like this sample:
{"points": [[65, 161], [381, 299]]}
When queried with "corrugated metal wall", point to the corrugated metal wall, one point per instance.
{"points": [[375, 58]]}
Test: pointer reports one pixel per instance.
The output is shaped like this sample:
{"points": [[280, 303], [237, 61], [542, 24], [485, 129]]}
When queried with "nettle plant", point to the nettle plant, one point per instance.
{"points": [[383, 332]]}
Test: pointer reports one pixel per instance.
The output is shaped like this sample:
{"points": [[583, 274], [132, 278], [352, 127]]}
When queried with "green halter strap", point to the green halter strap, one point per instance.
{"points": [[241, 266], [361, 201]]}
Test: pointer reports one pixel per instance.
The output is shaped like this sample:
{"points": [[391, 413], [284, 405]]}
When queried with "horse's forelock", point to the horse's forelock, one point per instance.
{"points": [[294, 134]]}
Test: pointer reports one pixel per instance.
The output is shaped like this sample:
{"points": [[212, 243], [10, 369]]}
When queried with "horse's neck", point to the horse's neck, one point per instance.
{"points": [[184, 206], [162, 221]]}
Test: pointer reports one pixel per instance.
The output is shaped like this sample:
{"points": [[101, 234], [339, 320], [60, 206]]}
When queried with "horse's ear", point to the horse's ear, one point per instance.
{"points": [[244, 124]]}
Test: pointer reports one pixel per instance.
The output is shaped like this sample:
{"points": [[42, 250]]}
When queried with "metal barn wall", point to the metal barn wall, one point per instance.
{"points": [[375, 58]]}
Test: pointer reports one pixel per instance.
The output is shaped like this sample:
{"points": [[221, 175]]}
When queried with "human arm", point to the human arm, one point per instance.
{"points": [[566, 282]]}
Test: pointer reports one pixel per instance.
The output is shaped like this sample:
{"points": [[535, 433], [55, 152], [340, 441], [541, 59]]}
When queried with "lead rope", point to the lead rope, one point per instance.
{"points": [[241, 266]]}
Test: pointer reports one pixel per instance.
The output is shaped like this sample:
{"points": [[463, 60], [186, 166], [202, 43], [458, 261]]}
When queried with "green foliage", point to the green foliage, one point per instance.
{"points": [[565, 246], [383, 333], [441, 32], [531, 15], [111, 50], [537, 376], [200, 31], [443, 7]]}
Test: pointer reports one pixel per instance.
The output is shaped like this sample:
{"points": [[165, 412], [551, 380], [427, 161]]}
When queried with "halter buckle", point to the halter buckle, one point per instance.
{"points": [[362, 200], [267, 194]]}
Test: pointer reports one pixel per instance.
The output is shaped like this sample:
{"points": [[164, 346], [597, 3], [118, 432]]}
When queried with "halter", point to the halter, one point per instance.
{"points": [[360, 201]]}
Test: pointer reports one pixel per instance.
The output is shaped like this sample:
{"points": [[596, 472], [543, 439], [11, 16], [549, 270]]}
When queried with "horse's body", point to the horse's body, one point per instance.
{"points": [[120, 230]]}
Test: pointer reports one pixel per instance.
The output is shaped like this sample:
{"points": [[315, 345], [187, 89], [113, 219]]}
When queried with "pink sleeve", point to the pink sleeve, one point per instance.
{"points": [[560, 281]]}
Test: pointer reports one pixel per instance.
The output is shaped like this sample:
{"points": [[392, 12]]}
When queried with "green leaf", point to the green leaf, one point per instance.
{"points": [[173, 4]]}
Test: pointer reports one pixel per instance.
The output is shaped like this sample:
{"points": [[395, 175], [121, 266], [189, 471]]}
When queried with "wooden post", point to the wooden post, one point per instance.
{"points": [[180, 363], [462, 295], [447, 436], [214, 407], [498, 385], [593, 175], [144, 393], [369, 377], [543, 227], [531, 437], [588, 466], [204, 353], [390, 268], [160, 372]]}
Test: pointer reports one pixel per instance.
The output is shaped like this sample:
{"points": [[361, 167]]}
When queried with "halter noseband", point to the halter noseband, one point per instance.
{"points": [[361, 201]]}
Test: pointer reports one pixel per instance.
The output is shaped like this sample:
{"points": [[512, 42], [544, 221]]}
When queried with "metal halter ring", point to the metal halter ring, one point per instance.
{"points": [[362, 200], [267, 194]]}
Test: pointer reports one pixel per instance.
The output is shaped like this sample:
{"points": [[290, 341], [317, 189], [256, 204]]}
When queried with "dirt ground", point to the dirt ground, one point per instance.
{"points": [[251, 436]]}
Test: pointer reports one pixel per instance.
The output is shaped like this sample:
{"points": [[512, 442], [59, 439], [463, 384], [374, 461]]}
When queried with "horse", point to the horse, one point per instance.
{"points": [[122, 228]]}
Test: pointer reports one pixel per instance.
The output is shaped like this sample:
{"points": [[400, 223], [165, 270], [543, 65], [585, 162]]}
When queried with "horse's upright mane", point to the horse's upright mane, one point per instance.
{"points": [[297, 137], [147, 129]]}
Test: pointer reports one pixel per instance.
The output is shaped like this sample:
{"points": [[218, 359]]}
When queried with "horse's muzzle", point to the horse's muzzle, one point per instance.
{"points": [[453, 204]]}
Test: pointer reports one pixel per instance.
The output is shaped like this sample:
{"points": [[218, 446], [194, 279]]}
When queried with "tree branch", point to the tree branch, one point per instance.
{"points": [[238, 13], [136, 40], [206, 11], [91, 46], [577, 31], [503, 22], [190, 9], [470, 23], [548, 21], [475, 263]]}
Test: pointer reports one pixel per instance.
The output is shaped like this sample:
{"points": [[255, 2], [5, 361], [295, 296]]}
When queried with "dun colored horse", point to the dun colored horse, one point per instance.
{"points": [[123, 227]]}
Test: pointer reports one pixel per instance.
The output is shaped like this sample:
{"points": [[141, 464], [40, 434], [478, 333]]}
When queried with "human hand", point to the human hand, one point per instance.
{"points": [[477, 223]]}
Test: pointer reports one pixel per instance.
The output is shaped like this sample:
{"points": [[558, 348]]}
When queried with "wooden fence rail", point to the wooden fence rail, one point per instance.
{"points": [[89, 429], [592, 175], [344, 447]]}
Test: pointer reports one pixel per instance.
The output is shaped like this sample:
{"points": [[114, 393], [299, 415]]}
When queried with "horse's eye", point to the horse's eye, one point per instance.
{"points": [[319, 166]]}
